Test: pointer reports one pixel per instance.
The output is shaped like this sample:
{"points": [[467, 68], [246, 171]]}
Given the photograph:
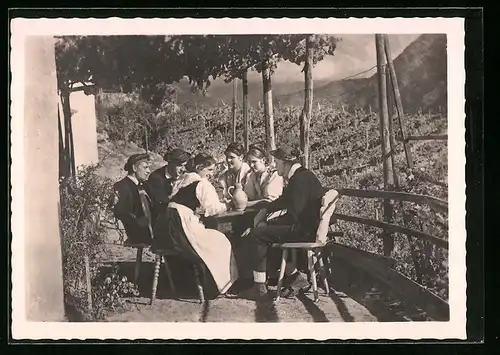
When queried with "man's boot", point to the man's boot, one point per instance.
{"points": [[294, 284]]}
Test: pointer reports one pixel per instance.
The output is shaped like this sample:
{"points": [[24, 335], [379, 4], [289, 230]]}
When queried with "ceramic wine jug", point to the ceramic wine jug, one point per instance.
{"points": [[239, 197]]}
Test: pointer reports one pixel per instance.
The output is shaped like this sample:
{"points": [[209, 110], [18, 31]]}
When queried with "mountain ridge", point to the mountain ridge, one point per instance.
{"points": [[420, 68], [421, 73]]}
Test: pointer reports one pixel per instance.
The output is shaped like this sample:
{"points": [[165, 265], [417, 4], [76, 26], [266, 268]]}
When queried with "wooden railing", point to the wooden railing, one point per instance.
{"points": [[435, 203], [429, 137], [419, 295]]}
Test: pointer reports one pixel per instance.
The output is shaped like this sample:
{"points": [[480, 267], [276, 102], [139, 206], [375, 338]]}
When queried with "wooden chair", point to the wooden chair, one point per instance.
{"points": [[138, 258], [140, 251], [314, 249], [162, 254]]}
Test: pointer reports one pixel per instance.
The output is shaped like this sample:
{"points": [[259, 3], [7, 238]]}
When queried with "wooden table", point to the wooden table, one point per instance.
{"points": [[232, 221]]}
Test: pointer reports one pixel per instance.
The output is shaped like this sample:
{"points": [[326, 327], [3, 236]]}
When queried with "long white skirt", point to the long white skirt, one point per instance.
{"points": [[212, 246]]}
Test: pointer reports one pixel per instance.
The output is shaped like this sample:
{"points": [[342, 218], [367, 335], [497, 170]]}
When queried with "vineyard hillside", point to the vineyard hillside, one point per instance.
{"points": [[421, 71]]}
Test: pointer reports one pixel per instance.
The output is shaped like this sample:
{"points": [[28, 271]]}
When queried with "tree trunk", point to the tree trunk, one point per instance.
{"points": [[268, 109], [42, 271], [305, 117], [233, 109], [384, 138], [245, 109]]}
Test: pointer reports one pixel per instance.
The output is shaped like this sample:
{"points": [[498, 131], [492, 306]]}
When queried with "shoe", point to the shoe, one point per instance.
{"points": [[256, 293], [294, 284], [296, 281]]}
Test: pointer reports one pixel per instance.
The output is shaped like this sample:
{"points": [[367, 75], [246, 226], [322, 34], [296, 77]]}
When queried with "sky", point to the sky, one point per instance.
{"points": [[355, 53]]}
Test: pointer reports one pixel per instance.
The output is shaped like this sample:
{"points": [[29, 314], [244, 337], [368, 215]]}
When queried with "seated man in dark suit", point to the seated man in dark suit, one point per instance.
{"points": [[162, 180], [132, 202], [301, 199]]}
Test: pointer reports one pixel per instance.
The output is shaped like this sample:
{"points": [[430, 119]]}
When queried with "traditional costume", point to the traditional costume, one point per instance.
{"points": [[132, 205], [230, 178], [302, 198], [267, 185], [160, 181], [179, 227]]}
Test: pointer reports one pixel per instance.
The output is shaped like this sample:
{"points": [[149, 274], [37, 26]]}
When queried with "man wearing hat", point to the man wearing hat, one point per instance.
{"points": [[301, 199], [162, 180], [132, 203]]}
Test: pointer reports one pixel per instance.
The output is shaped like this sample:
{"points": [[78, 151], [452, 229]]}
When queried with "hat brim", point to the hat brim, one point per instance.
{"points": [[177, 157], [279, 154], [130, 162]]}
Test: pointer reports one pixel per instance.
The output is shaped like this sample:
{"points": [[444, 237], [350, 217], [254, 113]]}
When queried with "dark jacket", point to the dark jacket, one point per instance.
{"points": [[128, 209], [302, 200], [161, 188]]}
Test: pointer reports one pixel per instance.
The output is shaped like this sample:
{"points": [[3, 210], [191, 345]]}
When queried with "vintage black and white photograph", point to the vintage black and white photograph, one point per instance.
{"points": [[238, 174]]}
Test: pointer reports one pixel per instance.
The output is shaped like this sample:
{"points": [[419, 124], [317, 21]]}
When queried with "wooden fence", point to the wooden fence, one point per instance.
{"points": [[381, 266]]}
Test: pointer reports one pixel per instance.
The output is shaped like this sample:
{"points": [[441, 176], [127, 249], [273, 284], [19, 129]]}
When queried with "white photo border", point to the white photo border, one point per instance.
{"points": [[455, 328]]}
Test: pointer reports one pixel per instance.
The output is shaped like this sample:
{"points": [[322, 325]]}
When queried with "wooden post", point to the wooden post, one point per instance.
{"points": [[146, 137], [88, 277], [245, 110], [88, 283], [100, 113], [399, 104], [235, 88], [305, 117], [390, 105], [68, 130], [384, 138], [366, 138], [268, 108]]}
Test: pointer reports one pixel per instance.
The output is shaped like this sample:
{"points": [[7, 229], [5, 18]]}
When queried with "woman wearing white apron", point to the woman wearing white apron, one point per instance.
{"points": [[180, 227]]}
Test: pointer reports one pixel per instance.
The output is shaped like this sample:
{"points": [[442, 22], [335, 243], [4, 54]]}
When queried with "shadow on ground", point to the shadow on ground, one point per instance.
{"points": [[316, 313], [354, 296], [182, 275], [350, 282]]}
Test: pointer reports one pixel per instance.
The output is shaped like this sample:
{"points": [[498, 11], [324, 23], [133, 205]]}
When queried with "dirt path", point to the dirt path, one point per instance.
{"points": [[237, 310]]}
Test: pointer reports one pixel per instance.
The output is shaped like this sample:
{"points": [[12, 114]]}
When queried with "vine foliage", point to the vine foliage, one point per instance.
{"points": [[88, 293]]}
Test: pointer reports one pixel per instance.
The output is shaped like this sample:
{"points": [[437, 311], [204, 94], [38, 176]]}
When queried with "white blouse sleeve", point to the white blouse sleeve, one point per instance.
{"points": [[274, 188], [209, 200]]}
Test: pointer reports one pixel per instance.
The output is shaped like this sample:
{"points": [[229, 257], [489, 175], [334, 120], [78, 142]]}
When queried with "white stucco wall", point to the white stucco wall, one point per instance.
{"points": [[84, 124], [84, 128], [43, 268]]}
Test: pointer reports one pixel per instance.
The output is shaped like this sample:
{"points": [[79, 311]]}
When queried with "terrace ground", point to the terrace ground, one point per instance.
{"points": [[354, 297]]}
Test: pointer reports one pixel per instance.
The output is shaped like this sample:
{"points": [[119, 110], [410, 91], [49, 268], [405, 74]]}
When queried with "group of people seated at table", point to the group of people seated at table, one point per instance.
{"points": [[166, 209]]}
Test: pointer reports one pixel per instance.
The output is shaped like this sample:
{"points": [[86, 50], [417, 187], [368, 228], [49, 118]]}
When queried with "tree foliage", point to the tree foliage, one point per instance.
{"points": [[231, 56], [147, 62]]}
